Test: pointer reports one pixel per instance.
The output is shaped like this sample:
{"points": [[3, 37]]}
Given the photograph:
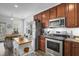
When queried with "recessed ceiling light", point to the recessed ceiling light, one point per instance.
{"points": [[16, 6], [11, 19]]}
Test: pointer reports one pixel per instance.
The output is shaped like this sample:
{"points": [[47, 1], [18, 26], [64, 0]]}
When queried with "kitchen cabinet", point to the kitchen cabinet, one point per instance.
{"points": [[67, 48], [68, 10], [72, 12], [21, 47], [42, 43], [75, 49], [52, 13], [39, 16], [45, 18], [36, 17], [61, 10], [71, 48]]}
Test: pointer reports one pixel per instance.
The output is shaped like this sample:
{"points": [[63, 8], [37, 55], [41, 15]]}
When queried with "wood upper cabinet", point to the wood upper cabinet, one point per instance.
{"points": [[61, 10], [71, 15], [36, 17], [45, 18], [52, 13], [42, 43], [68, 10], [67, 48], [40, 16]]}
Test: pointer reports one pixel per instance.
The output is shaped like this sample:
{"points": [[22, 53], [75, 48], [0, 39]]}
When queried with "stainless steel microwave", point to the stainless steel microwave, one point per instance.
{"points": [[58, 22]]}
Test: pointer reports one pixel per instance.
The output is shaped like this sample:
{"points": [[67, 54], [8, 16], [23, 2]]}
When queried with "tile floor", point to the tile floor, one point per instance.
{"points": [[38, 53], [2, 49], [6, 52]]}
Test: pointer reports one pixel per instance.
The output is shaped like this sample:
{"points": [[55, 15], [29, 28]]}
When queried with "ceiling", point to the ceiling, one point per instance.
{"points": [[24, 10]]}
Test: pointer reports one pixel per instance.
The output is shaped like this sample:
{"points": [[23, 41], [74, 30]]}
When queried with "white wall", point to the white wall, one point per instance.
{"points": [[33, 34], [27, 20], [7, 21], [14, 23], [19, 23]]}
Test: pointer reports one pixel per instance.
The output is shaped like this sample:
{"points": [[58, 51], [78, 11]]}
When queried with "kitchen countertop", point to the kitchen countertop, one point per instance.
{"points": [[73, 39], [12, 35], [25, 40]]}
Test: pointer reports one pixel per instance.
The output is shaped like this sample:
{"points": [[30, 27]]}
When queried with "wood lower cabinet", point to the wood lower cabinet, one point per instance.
{"points": [[42, 43], [75, 49], [71, 48], [67, 48]]}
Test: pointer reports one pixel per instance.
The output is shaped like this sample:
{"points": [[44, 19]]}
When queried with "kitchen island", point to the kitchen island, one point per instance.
{"points": [[9, 39], [8, 43], [22, 47]]}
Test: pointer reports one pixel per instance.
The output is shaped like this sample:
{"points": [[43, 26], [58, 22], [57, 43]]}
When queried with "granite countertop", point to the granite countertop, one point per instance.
{"points": [[24, 41], [73, 39]]}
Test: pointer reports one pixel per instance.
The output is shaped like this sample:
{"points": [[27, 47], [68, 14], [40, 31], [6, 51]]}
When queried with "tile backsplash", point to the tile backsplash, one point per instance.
{"points": [[75, 31]]}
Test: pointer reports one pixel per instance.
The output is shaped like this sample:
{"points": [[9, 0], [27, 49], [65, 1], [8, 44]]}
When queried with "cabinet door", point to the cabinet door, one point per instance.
{"points": [[36, 17], [67, 48], [75, 49], [39, 16], [52, 13], [61, 10], [42, 44], [71, 20], [45, 18]]}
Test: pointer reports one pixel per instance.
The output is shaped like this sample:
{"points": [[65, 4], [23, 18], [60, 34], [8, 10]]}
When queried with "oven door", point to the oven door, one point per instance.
{"points": [[54, 47]]}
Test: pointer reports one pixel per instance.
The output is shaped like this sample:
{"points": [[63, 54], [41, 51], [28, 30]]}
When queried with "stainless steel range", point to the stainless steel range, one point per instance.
{"points": [[54, 43]]}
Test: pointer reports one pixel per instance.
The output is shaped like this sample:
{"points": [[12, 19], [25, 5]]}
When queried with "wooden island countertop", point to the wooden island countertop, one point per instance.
{"points": [[24, 41], [12, 35]]}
